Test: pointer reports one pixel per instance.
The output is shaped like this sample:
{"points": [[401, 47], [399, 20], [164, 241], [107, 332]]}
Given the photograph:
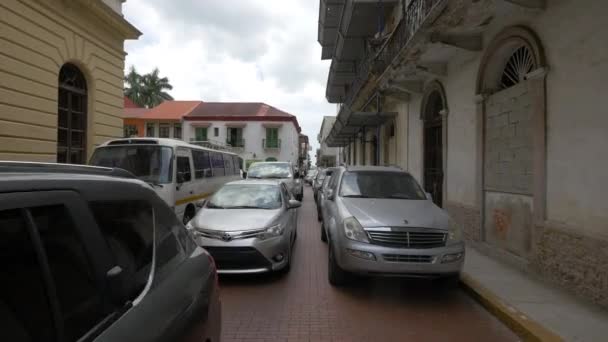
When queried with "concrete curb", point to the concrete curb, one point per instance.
{"points": [[522, 325]]}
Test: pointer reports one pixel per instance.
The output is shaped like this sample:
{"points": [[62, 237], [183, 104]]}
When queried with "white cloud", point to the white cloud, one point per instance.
{"points": [[236, 50]]}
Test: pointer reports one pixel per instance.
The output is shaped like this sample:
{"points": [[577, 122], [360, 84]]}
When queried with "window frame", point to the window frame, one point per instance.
{"points": [[161, 127], [93, 244], [177, 131], [177, 170], [204, 130], [150, 126], [216, 131]]}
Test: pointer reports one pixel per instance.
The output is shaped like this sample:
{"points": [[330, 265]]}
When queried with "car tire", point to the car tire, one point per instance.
{"points": [[336, 275], [323, 233], [287, 267]]}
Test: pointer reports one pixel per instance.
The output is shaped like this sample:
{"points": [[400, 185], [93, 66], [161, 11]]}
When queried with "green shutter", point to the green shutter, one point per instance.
{"points": [[201, 133]]}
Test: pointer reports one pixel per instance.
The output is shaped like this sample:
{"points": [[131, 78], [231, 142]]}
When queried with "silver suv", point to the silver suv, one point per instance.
{"points": [[379, 221], [283, 171]]}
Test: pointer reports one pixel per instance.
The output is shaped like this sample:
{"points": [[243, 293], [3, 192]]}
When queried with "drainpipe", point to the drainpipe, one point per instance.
{"points": [[378, 144]]}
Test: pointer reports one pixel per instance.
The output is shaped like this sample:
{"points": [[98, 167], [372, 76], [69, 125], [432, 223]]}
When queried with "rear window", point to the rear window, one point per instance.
{"points": [[269, 170]]}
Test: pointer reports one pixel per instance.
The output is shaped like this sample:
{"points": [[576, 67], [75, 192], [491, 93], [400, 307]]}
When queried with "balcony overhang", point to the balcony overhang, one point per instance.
{"points": [[344, 132], [359, 22], [330, 14]]}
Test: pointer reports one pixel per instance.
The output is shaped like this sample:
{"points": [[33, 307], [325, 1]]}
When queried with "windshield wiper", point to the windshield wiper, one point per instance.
{"points": [[243, 207], [213, 206], [254, 177], [356, 196]]}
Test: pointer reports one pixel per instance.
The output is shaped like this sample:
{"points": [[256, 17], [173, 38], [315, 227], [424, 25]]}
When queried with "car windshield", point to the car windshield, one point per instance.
{"points": [[149, 163], [246, 196], [380, 184], [269, 170]]}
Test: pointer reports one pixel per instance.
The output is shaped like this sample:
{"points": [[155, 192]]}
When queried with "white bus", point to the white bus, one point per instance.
{"points": [[182, 174]]}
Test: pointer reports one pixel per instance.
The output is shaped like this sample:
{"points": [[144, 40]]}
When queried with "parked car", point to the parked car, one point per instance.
{"points": [[321, 198], [316, 185], [379, 221], [93, 254], [248, 226], [278, 170], [310, 176]]}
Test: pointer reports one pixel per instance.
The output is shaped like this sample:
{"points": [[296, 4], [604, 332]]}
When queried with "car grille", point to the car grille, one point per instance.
{"points": [[408, 258], [237, 258], [228, 235], [407, 239]]}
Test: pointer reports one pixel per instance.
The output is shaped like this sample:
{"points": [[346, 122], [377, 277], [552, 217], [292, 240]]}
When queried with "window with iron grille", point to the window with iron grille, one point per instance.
{"points": [[177, 131], [72, 116], [163, 131], [150, 129]]}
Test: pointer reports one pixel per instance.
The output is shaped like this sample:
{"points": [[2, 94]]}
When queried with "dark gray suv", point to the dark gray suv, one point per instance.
{"points": [[89, 254]]}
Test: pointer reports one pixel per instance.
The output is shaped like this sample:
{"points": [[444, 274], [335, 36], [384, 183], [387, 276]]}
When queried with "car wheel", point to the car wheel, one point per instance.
{"points": [[336, 275], [287, 266], [323, 233]]}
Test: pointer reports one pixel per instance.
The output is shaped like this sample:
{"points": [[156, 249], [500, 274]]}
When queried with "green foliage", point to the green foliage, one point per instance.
{"points": [[147, 90]]}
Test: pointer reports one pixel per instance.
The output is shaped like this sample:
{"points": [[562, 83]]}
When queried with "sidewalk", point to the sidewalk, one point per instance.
{"points": [[534, 309]]}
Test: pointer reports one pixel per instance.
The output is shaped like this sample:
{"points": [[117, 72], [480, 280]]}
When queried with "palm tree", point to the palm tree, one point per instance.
{"points": [[134, 87], [154, 87], [147, 90]]}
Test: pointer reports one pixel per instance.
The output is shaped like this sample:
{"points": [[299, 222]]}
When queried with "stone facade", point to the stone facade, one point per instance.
{"points": [[572, 260], [468, 218], [38, 39]]}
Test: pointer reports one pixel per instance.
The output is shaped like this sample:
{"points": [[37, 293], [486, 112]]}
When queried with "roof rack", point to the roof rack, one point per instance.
{"points": [[35, 167]]}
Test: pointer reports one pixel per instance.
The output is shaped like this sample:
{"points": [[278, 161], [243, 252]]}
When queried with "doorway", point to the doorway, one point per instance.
{"points": [[433, 145]]}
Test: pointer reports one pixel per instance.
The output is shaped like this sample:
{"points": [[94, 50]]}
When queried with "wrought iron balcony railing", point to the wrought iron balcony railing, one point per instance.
{"points": [[377, 61], [236, 142], [273, 143]]}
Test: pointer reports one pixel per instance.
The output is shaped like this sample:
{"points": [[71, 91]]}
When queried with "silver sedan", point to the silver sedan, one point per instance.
{"points": [[248, 226]]}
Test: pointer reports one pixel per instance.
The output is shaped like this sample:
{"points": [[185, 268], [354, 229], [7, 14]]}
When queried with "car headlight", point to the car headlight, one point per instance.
{"points": [[454, 231], [354, 231], [271, 232]]}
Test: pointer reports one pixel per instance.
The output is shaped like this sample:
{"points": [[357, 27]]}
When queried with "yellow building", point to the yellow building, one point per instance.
{"points": [[61, 77]]}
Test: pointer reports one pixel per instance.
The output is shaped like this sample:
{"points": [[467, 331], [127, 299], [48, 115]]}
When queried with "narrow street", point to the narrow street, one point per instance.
{"points": [[302, 306]]}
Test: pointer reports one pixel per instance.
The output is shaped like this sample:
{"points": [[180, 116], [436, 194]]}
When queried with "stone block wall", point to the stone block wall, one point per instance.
{"points": [[574, 261], [467, 217]]}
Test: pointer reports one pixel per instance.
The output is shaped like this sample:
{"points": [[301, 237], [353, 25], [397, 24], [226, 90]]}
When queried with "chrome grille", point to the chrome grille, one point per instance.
{"points": [[408, 258], [222, 235], [407, 238]]}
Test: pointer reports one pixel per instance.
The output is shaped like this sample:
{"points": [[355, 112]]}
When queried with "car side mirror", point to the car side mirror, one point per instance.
{"points": [[180, 177], [429, 196], [292, 204], [117, 284], [330, 194], [201, 203]]}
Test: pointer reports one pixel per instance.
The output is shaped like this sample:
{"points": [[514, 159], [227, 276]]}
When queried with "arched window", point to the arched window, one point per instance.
{"points": [[72, 116]]}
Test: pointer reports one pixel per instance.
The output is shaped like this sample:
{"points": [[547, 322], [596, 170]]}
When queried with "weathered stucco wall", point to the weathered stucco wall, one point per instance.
{"points": [[37, 38]]}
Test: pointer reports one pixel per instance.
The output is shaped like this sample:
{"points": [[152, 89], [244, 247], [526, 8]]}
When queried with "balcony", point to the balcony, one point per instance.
{"points": [[353, 64], [240, 143], [273, 144]]}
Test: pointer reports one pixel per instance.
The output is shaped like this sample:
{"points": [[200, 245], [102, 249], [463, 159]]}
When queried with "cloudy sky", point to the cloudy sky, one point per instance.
{"points": [[236, 50]]}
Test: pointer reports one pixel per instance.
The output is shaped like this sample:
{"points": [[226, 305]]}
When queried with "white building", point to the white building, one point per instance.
{"points": [[255, 131], [495, 106], [327, 156]]}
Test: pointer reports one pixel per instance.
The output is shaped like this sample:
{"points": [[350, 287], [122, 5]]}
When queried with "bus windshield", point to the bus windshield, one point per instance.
{"points": [[151, 164]]}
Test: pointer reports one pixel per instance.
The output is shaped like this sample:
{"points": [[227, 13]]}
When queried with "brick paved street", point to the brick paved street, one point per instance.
{"points": [[302, 306]]}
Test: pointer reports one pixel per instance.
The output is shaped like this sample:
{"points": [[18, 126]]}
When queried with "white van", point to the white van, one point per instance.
{"points": [[182, 174]]}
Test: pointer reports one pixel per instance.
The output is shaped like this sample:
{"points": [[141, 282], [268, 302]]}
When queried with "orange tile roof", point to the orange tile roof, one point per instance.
{"points": [[130, 104], [170, 110]]}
